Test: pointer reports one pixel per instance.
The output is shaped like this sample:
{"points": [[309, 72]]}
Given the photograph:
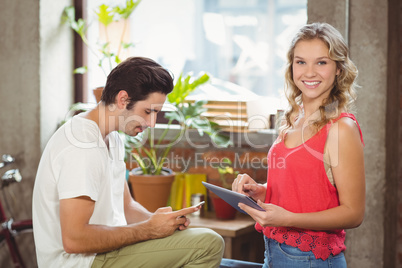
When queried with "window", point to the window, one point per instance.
{"points": [[237, 41]]}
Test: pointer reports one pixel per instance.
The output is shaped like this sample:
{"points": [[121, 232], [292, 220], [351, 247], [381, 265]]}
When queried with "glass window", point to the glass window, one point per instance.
{"points": [[236, 41]]}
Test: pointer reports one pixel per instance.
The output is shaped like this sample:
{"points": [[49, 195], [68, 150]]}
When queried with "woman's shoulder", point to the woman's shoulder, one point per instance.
{"points": [[346, 129]]}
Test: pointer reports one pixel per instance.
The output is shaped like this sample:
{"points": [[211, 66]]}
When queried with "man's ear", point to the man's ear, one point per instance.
{"points": [[122, 99]]}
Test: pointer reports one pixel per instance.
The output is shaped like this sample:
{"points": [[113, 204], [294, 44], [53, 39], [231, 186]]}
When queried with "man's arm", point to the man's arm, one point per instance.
{"points": [[133, 210], [81, 237]]}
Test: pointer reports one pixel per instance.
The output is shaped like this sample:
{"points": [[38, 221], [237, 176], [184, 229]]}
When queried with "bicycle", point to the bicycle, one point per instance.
{"points": [[9, 227]]}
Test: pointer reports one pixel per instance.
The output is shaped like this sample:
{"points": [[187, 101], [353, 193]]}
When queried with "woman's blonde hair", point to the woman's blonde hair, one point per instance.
{"points": [[343, 92]]}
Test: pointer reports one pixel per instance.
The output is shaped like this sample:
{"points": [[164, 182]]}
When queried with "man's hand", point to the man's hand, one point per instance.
{"points": [[81, 237], [165, 222]]}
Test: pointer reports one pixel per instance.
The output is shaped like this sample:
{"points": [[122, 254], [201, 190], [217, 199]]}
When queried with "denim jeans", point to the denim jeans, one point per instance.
{"points": [[281, 255], [229, 263]]}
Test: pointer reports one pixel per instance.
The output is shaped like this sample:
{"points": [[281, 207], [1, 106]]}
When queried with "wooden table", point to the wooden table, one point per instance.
{"points": [[242, 241]]}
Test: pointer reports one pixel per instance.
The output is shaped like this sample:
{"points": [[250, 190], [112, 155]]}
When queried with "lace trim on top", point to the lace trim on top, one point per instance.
{"points": [[322, 244]]}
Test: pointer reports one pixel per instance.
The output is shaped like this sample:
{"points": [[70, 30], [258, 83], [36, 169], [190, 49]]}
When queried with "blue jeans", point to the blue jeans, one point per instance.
{"points": [[229, 263], [281, 255]]}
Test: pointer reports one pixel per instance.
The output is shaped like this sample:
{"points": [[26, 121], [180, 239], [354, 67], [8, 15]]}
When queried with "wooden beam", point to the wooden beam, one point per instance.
{"points": [[80, 57]]}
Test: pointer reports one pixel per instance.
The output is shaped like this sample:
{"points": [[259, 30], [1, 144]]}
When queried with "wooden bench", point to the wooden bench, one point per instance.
{"points": [[242, 241]]}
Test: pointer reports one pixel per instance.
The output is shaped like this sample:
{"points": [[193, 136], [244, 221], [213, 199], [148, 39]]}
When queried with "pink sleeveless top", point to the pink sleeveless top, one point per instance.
{"points": [[297, 181]]}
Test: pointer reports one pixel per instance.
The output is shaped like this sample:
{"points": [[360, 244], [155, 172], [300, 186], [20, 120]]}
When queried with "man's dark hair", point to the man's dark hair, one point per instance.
{"points": [[139, 77]]}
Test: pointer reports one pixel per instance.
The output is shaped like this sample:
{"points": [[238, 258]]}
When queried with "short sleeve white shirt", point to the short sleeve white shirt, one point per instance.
{"points": [[76, 162]]}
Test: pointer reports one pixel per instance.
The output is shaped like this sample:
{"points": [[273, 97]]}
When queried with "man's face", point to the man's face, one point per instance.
{"points": [[142, 115]]}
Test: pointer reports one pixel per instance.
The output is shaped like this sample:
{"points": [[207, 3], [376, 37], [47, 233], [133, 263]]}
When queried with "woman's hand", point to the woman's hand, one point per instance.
{"points": [[273, 216], [244, 184]]}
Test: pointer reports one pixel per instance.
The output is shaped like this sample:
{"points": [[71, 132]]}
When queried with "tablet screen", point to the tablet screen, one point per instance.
{"points": [[233, 198]]}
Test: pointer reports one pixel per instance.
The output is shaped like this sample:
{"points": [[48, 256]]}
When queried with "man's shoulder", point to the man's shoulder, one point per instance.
{"points": [[81, 133], [75, 137]]}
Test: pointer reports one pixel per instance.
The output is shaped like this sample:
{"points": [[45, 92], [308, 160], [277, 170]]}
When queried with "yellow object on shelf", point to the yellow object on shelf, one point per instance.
{"points": [[176, 194], [193, 185], [184, 185]]}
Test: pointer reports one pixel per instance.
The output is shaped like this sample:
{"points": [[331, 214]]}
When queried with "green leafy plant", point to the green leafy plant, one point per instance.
{"points": [[151, 156], [105, 15], [224, 168]]}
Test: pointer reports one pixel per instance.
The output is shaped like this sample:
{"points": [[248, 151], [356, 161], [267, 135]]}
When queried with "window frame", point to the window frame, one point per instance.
{"points": [[80, 56]]}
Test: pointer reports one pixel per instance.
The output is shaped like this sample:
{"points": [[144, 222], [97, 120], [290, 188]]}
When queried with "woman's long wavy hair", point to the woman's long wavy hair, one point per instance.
{"points": [[343, 93]]}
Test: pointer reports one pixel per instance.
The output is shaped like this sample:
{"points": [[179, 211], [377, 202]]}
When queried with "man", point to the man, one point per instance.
{"points": [[83, 213]]}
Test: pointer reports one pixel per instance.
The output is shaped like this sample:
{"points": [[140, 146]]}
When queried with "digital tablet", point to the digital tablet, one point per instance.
{"points": [[233, 198]]}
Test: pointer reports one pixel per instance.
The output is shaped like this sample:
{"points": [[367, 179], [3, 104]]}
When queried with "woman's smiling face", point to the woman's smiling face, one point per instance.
{"points": [[313, 71]]}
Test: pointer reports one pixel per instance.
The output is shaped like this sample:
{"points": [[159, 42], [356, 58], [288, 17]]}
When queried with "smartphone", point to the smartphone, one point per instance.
{"points": [[199, 204]]}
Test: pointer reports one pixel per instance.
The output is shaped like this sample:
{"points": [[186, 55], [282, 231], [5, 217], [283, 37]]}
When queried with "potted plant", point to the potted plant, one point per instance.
{"points": [[151, 154], [223, 210], [107, 55]]}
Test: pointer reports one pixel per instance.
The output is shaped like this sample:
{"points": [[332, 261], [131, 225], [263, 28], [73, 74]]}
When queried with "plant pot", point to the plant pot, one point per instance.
{"points": [[98, 93], [151, 191], [223, 210]]}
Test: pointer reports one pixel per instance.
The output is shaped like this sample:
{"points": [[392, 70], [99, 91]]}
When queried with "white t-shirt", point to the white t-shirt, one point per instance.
{"points": [[76, 162]]}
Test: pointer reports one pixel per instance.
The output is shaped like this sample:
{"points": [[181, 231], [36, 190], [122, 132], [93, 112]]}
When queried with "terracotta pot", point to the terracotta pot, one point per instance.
{"points": [[223, 210], [98, 93], [151, 191]]}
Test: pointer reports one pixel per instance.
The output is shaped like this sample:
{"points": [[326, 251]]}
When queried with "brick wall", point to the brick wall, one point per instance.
{"points": [[198, 155], [202, 156], [244, 160]]}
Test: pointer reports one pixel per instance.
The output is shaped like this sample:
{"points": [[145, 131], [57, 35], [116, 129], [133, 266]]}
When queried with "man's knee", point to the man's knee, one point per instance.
{"points": [[217, 241], [213, 241]]}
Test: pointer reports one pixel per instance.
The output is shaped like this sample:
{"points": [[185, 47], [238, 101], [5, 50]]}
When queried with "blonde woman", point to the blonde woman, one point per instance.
{"points": [[316, 184]]}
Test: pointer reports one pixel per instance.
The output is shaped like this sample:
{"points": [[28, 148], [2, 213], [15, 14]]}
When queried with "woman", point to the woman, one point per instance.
{"points": [[316, 184]]}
